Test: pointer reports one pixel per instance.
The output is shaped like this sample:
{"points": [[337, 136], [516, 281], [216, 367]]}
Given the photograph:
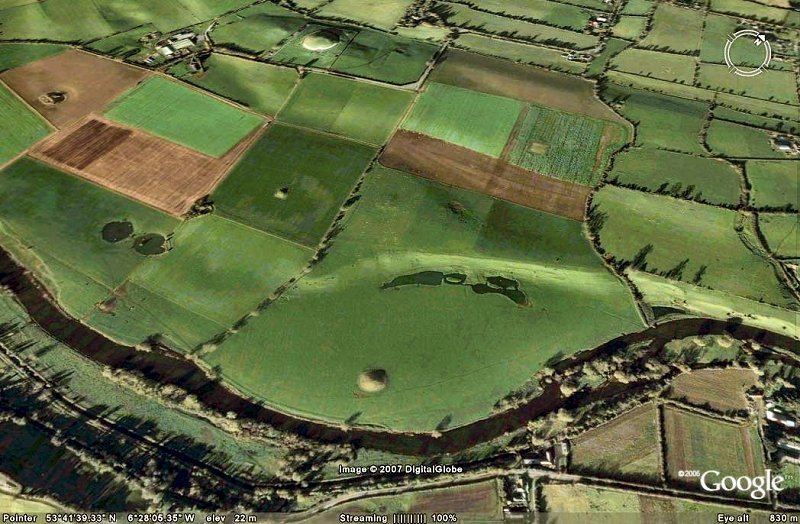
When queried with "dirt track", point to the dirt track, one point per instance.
{"points": [[152, 170], [89, 81], [461, 167]]}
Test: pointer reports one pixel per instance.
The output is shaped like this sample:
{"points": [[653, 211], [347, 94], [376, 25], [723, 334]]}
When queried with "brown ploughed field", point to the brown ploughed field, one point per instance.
{"points": [[461, 167], [90, 83], [144, 167]]}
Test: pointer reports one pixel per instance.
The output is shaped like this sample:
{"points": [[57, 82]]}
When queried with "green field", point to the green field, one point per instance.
{"points": [[379, 13], [674, 28], [613, 47], [626, 447], [463, 16], [684, 241], [386, 58], [665, 122], [574, 498], [724, 113], [718, 28], [754, 10], [20, 127], [183, 115], [692, 177], [293, 51], [676, 68], [18, 54], [258, 28], [262, 87], [433, 341], [353, 109], [467, 118], [52, 222], [700, 443], [782, 234], [638, 7], [563, 145], [737, 141], [550, 13], [630, 27], [126, 44], [74, 21], [533, 54], [700, 301], [775, 184], [318, 172], [780, 86]]}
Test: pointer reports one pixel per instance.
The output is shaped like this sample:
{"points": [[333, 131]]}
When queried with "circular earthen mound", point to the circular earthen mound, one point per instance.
{"points": [[53, 97], [373, 380], [321, 40]]}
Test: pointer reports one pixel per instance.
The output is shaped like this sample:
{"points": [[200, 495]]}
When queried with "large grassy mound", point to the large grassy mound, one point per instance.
{"points": [[445, 352]]}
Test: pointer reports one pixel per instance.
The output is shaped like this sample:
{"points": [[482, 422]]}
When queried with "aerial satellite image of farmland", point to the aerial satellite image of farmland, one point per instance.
{"points": [[399, 261]]}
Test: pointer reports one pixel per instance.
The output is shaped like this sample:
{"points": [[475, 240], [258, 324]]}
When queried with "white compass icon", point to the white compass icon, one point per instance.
{"points": [[759, 40]]}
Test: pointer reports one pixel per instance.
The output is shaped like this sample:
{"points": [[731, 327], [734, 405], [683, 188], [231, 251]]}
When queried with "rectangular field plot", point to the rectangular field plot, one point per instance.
{"points": [[775, 184], [666, 66], [378, 13], [695, 442], [665, 122], [185, 116], [674, 28], [626, 447], [683, 240], [552, 59], [353, 109], [141, 166], [551, 13], [387, 58], [630, 27], [292, 182], [461, 167], [54, 222], [693, 177], [567, 146], [403, 225], [89, 83], [20, 127], [780, 86], [755, 10], [463, 117], [738, 141], [259, 86], [782, 233], [479, 502], [722, 390]]}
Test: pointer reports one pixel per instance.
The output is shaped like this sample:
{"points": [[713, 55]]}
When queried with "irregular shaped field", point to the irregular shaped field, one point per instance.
{"points": [[185, 116], [685, 241], [353, 109], [737, 141], [258, 28], [141, 166], [53, 222], [88, 81], [675, 68], [626, 447], [466, 118], [20, 127], [292, 182], [259, 86], [693, 177], [674, 28], [782, 233], [449, 350]]}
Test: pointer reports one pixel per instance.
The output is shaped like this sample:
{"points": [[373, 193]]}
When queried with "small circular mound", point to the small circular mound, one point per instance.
{"points": [[53, 97], [373, 380], [150, 244], [116, 231], [321, 40], [282, 193]]}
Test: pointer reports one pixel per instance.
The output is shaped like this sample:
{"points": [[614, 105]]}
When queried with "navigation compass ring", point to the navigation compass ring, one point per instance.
{"points": [[759, 40]]}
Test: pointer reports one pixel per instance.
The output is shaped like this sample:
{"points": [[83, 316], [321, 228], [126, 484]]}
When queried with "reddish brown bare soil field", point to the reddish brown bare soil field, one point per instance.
{"points": [[531, 84], [461, 167], [90, 83], [149, 169]]}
